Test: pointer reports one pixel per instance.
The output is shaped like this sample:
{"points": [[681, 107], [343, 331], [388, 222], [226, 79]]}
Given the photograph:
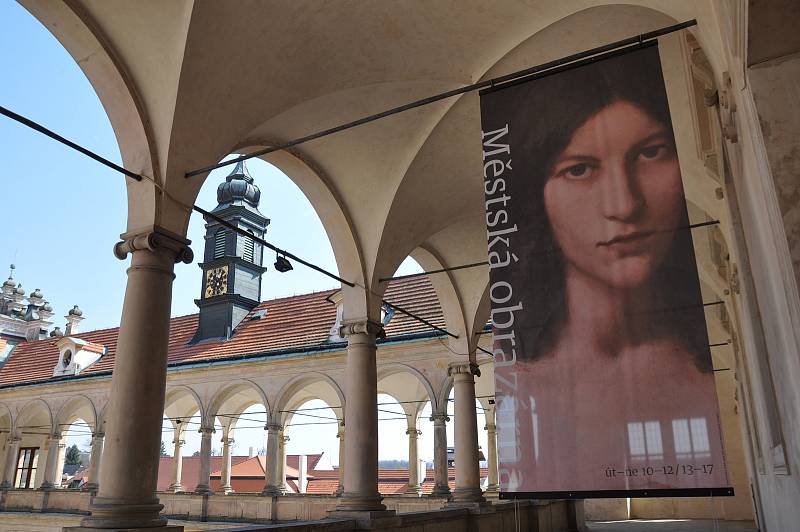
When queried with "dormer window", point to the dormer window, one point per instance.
{"points": [[76, 355]]}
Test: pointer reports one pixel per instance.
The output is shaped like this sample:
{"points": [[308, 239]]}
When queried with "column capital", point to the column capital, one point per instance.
{"points": [[206, 431], [178, 442], [414, 432], [98, 435], [275, 427], [368, 327], [463, 368], [490, 427], [54, 437], [440, 417], [154, 238], [227, 441], [13, 439]]}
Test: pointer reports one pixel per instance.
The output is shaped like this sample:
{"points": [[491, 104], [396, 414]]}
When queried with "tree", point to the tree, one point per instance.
{"points": [[163, 449], [73, 456]]}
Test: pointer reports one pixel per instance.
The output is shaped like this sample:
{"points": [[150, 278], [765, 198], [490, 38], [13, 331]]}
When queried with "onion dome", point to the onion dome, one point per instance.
{"points": [[37, 294], [75, 311], [9, 283], [238, 187], [19, 290], [47, 307], [56, 332]]}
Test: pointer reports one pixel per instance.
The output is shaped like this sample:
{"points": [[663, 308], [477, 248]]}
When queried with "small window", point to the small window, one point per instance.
{"points": [[248, 253], [26, 467], [219, 244]]}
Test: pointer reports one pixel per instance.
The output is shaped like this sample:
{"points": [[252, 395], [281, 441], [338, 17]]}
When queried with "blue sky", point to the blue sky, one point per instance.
{"points": [[62, 213]]}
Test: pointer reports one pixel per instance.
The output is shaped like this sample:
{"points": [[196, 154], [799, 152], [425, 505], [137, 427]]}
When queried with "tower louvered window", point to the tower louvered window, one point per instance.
{"points": [[219, 244], [248, 253]]}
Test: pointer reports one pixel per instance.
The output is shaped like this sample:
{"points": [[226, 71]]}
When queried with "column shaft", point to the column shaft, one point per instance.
{"points": [[468, 480], [340, 435], [441, 485], [204, 475], [273, 484], [51, 466], [282, 462], [491, 430], [62, 456], [11, 463], [361, 415], [413, 461], [177, 464], [94, 462], [225, 481], [129, 476]]}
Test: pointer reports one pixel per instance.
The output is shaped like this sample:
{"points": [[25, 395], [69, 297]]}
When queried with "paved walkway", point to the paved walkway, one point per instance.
{"points": [[672, 525]]}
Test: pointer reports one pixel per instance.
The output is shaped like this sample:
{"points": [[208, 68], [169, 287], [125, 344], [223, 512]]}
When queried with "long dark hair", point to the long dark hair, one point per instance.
{"points": [[542, 116]]}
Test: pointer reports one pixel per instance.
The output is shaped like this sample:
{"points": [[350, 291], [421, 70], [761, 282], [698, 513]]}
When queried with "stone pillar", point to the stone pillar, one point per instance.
{"points": [[177, 465], [129, 475], [12, 455], [273, 484], [62, 456], [413, 461], [204, 475], [491, 430], [282, 462], [340, 435], [361, 412], [51, 466], [225, 481], [94, 462], [468, 477], [441, 487]]}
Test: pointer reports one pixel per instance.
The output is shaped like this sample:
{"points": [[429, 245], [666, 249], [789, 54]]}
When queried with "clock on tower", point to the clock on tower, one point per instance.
{"points": [[232, 262]]}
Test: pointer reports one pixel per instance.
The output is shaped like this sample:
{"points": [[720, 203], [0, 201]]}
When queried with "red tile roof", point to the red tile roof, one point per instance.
{"points": [[291, 324]]}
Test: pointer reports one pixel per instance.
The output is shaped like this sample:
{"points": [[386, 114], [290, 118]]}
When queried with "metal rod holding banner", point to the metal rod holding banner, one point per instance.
{"points": [[55, 136], [630, 41]]}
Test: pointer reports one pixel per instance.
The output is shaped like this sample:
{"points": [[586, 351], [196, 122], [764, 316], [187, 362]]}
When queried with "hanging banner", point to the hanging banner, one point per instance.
{"points": [[603, 375]]}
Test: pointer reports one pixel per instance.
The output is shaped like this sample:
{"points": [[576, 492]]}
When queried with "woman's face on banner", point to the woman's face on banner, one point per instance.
{"points": [[613, 195]]}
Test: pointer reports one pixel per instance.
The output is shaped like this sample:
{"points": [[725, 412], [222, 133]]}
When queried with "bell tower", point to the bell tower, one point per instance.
{"points": [[231, 284]]}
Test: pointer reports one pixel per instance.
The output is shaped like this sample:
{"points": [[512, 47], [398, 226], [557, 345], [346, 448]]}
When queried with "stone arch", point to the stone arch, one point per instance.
{"points": [[232, 399], [6, 420], [303, 388], [116, 88], [181, 403], [408, 386], [37, 411], [78, 407]]}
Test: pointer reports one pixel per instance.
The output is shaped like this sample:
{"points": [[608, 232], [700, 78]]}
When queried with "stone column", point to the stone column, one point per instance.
{"points": [[225, 481], [441, 486], [340, 435], [51, 466], [177, 465], [94, 462], [468, 477], [361, 412], [491, 430], [62, 456], [273, 484], [282, 462], [204, 475], [413, 461], [12, 455], [129, 475]]}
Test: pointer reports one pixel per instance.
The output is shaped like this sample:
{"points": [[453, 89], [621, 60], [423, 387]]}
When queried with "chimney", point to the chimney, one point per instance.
{"points": [[74, 318], [302, 473]]}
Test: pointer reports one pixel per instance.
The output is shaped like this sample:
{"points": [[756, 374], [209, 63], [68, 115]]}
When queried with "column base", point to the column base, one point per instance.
{"points": [[225, 490], [91, 486], [272, 491], [175, 488], [414, 490], [121, 514], [493, 488], [352, 502], [203, 490], [468, 495], [5, 486], [441, 491], [482, 507]]}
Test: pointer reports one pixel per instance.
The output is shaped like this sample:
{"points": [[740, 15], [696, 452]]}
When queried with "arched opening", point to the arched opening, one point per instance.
{"points": [[34, 427]]}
